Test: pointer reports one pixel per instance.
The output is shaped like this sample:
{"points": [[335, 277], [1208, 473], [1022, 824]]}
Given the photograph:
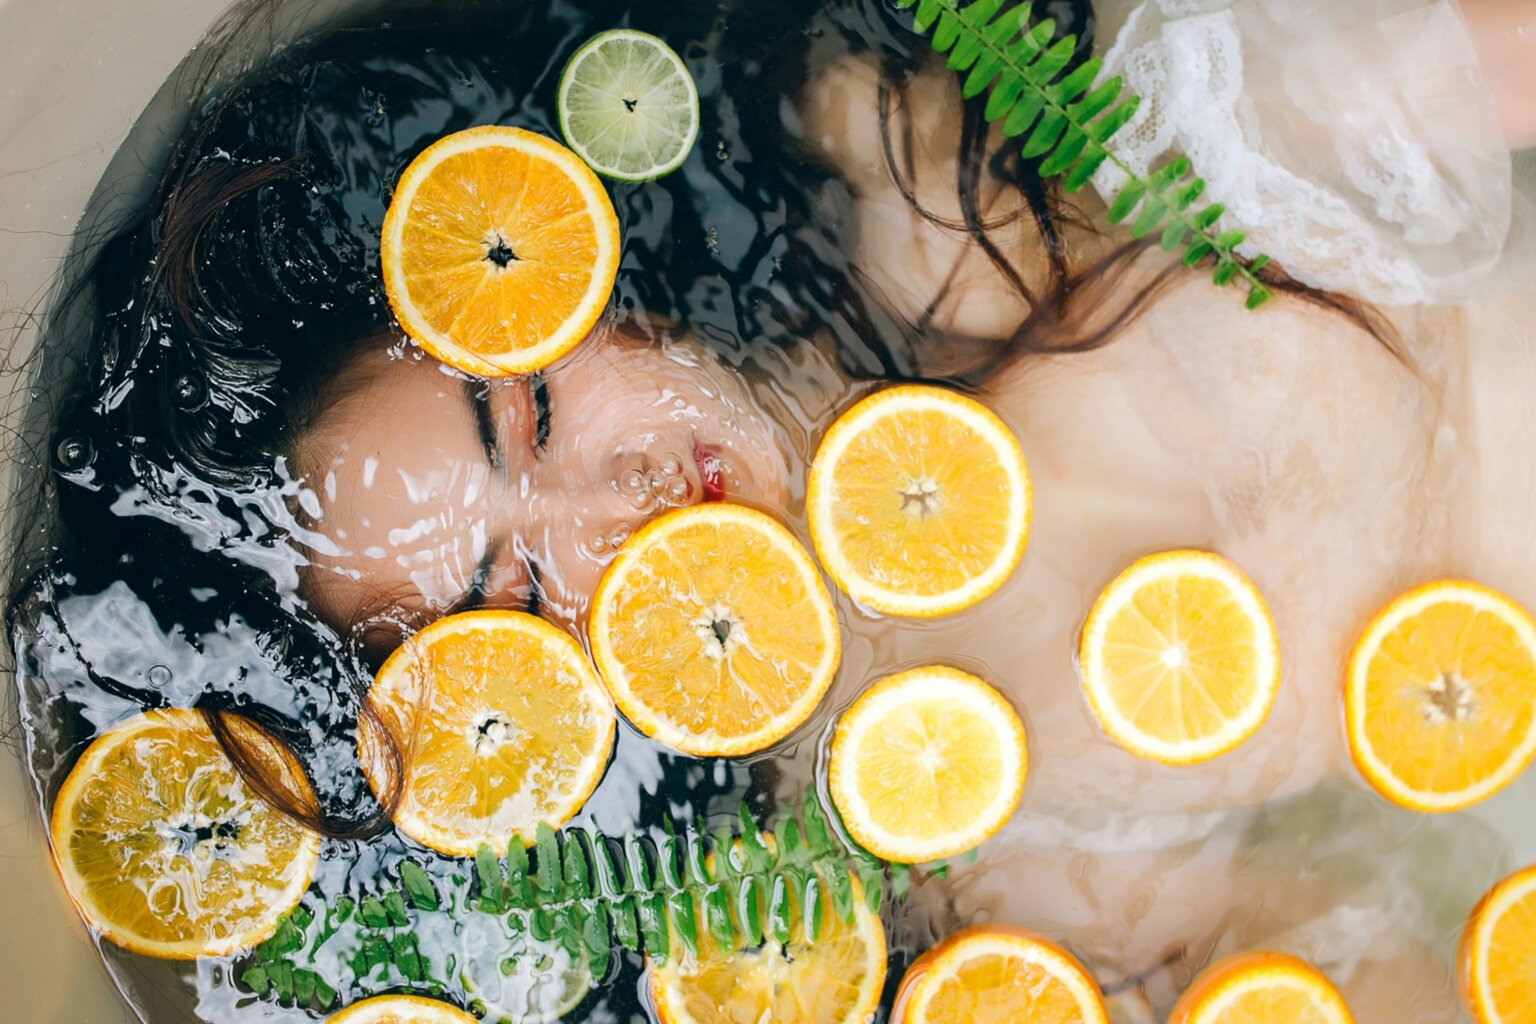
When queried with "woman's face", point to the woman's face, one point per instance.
{"points": [[427, 492]]}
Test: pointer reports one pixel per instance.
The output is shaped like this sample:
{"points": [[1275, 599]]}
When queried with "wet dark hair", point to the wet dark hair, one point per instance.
{"points": [[217, 317]]}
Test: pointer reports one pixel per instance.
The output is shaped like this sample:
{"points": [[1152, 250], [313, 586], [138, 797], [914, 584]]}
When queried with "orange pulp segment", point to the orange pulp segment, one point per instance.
{"points": [[164, 848], [714, 631], [1179, 658], [1261, 988], [919, 501], [499, 250], [1498, 953], [996, 974], [401, 1009], [927, 764], [1440, 696], [836, 979], [502, 724]]}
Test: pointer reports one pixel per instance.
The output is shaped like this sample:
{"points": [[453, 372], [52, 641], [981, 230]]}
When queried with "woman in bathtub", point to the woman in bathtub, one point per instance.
{"points": [[253, 448]]}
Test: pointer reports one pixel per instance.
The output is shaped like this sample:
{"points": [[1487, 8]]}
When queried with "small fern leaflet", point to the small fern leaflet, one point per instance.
{"points": [[1066, 122]]}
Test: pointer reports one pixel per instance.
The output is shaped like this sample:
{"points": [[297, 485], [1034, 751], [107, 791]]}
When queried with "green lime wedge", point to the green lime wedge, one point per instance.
{"points": [[628, 106]]}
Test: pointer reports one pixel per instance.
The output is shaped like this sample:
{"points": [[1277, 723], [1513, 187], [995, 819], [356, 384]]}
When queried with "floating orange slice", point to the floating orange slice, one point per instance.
{"points": [[1440, 696], [502, 722], [927, 764], [1179, 658], [499, 250], [714, 631], [401, 1010], [1498, 953], [836, 979], [1261, 988], [919, 501], [995, 974], [164, 848]]}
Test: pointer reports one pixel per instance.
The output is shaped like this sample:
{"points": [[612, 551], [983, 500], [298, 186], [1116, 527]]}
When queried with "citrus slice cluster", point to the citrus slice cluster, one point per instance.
{"points": [[927, 764], [713, 630], [1498, 953], [995, 974], [1440, 696], [1261, 988], [401, 1009], [499, 250], [919, 501], [1179, 658], [501, 724], [164, 848], [836, 979]]}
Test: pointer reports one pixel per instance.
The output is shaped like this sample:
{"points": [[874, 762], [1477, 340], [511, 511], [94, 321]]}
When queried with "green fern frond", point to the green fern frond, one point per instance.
{"points": [[582, 893], [1069, 121]]}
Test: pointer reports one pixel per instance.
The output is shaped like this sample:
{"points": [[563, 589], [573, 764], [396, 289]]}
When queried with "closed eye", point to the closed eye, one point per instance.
{"points": [[535, 589], [539, 389], [485, 427]]}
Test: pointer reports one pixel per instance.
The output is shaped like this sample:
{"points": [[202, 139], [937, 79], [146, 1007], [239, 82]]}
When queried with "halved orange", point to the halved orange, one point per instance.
{"points": [[401, 1009], [713, 630], [502, 724], [919, 501], [1498, 953], [836, 979], [1261, 988], [1440, 696], [997, 974], [1179, 658], [927, 764], [164, 848], [499, 250]]}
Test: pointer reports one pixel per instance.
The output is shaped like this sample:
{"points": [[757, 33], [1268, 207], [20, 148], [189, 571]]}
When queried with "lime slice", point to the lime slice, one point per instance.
{"points": [[628, 106], [515, 979]]}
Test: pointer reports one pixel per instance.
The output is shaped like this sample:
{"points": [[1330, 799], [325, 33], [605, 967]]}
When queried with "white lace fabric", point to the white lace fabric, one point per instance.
{"points": [[1353, 140]]}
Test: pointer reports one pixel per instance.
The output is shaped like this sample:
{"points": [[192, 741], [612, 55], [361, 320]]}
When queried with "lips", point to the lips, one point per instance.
{"points": [[711, 470]]}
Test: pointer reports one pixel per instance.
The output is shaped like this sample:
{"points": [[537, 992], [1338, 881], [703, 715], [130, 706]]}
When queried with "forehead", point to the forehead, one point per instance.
{"points": [[396, 480]]}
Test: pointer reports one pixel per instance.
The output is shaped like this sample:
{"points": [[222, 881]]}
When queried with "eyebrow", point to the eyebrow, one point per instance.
{"points": [[485, 429]]}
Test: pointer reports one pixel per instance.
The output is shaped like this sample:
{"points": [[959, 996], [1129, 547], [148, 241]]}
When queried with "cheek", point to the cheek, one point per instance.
{"points": [[568, 571]]}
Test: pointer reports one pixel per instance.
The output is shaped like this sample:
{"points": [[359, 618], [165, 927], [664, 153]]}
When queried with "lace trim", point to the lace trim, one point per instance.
{"points": [[1326, 160]]}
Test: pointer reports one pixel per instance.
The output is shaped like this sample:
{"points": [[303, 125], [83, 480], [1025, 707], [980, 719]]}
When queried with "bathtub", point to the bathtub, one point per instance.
{"points": [[73, 79]]}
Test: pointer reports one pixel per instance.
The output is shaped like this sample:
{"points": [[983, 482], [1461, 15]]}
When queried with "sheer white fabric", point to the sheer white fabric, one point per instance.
{"points": [[1354, 140]]}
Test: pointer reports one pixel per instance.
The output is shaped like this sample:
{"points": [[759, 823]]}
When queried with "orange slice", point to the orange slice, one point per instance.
{"points": [[1498, 953], [927, 764], [996, 974], [502, 722], [919, 501], [1261, 988], [1440, 696], [401, 1010], [1179, 658], [714, 631], [835, 980], [164, 848], [499, 250]]}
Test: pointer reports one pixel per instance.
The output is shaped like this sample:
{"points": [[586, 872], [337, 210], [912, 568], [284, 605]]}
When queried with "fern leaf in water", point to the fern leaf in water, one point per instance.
{"points": [[580, 893], [1066, 122]]}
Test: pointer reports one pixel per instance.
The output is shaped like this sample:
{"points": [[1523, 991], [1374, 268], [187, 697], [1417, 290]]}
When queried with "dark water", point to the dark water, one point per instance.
{"points": [[148, 581]]}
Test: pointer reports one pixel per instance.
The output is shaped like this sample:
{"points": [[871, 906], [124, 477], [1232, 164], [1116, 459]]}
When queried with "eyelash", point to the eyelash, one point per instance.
{"points": [[539, 390], [474, 597]]}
